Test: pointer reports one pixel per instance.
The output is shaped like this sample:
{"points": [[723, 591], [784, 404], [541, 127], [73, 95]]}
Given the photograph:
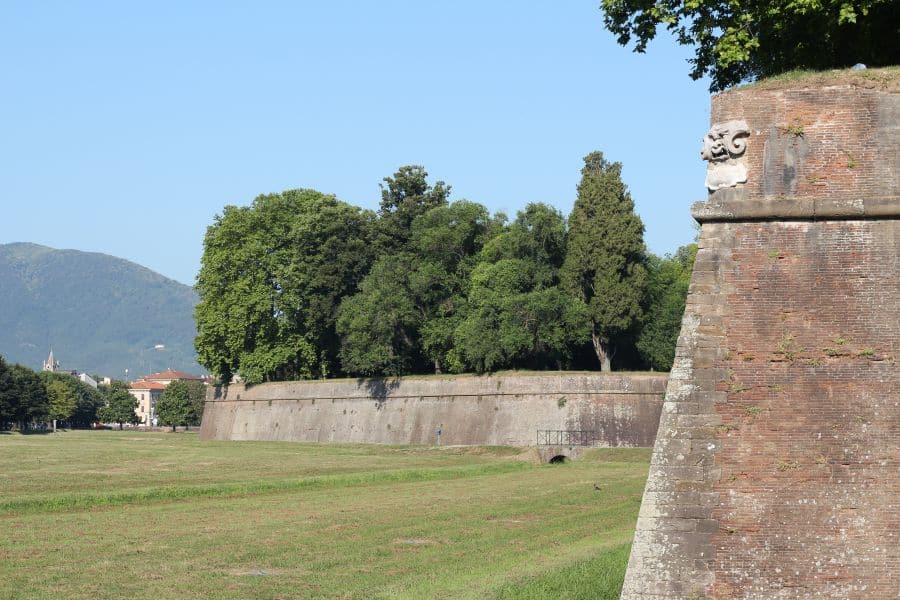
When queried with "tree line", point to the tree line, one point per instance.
{"points": [[46, 399], [301, 285]]}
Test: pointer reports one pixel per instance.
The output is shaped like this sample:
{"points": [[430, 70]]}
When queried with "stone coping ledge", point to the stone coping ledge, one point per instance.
{"points": [[553, 383], [734, 205]]}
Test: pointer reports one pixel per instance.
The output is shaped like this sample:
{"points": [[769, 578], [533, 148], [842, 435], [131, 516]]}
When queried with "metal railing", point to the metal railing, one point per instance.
{"points": [[566, 437]]}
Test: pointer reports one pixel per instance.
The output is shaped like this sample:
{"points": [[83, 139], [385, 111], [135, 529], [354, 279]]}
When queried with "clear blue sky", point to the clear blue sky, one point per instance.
{"points": [[127, 126]]}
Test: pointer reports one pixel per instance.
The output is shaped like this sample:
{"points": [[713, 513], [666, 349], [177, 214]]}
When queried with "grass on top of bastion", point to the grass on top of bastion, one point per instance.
{"points": [[109, 514]]}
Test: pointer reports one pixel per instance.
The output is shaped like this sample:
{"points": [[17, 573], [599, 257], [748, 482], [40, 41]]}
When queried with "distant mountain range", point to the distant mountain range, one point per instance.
{"points": [[100, 314]]}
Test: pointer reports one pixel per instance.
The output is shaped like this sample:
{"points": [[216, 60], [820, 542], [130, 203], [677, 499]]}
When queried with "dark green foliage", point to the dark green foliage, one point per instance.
{"points": [[404, 315], [667, 286], [181, 404], [518, 317], [98, 312], [23, 397], [197, 395], [300, 285], [120, 404], [7, 402], [604, 260], [379, 323], [271, 279], [88, 401], [404, 197], [446, 241], [740, 41]]}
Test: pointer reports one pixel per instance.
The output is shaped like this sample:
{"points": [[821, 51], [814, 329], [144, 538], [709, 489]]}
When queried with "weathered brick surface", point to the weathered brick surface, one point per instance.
{"points": [[776, 471], [623, 409], [837, 142]]}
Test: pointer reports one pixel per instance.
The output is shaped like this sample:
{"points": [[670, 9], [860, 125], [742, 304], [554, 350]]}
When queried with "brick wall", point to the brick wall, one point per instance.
{"points": [[776, 471]]}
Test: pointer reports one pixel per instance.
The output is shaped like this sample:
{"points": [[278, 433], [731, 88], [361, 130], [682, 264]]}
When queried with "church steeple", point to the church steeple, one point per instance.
{"points": [[50, 364]]}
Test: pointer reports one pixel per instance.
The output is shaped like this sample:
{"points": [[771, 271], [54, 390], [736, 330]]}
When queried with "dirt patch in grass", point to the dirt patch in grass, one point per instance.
{"points": [[415, 542]]}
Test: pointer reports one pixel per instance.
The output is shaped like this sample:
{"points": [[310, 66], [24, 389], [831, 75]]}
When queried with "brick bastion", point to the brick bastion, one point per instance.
{"points": [[776, 470], [621, 409]]}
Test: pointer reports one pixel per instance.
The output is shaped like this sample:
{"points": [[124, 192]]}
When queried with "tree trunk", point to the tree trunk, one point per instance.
{"points": [[601, 347], [437, 367], [54, 425]]}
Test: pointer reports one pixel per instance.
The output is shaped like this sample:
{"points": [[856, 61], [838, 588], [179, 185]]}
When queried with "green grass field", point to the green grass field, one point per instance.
{"points": [[158, 515]]}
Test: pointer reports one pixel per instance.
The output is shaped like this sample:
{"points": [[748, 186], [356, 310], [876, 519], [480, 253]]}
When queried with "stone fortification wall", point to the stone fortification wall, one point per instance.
{"points": [[490, 410], [776, 471]]}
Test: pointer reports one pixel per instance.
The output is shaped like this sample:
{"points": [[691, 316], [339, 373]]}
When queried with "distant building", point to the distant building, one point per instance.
{"points": [[51, 364], [147, 393], [150, 388], [87, 379], [168, 376]]}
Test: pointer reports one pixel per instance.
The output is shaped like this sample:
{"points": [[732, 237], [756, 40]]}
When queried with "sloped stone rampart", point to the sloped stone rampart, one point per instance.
{"points": [[490, 410], [776, 470]]}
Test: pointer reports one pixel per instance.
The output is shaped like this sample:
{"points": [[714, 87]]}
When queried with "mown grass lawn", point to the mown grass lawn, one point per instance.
{"points": [[161, 515]]}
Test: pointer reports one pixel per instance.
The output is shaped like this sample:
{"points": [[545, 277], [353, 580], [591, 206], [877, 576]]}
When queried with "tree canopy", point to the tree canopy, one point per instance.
{"points": [[23, 397], [181, 403], [604, 260], [7, 402], [667, 286], [404, 196], [301, 285], [271, 279], [518, 315], [88, 400], [62, 400], [120, 404], [409, 305], [740, 41]]}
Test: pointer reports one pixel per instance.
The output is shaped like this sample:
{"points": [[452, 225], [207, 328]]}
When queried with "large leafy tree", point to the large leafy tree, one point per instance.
{"points": [[271, 279], [518, 316], [379, 324], [62, 401], [446, 242], [120, 404], [604, 256], [738, 41], [404, 196], [197, 394], [88, 400], [668, 279], [404, 315], [181, 404], [24, 395]]}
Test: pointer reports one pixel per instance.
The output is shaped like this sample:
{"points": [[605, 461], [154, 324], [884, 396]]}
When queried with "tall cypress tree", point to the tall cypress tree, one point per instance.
{"points": [[603, 265]]}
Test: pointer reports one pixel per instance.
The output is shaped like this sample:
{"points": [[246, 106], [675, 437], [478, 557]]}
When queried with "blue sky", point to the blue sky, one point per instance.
{"points": [[127, 126]]}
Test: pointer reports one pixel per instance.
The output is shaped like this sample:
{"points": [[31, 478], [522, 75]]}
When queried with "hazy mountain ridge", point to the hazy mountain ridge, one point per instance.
{"points": [[101, 314]]}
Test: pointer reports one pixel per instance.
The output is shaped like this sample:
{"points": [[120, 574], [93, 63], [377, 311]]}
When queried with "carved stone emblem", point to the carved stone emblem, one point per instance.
{"points": [[723, 147]]}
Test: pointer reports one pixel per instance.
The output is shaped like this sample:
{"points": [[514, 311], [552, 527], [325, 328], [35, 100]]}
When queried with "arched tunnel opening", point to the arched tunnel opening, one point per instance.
{"points": [[559, 459]]}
